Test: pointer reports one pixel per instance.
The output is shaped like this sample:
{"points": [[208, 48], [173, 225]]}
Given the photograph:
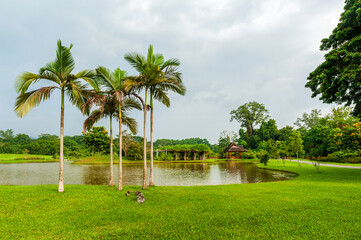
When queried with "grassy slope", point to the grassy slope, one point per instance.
{"points": [[312, 206], [25, 158]]}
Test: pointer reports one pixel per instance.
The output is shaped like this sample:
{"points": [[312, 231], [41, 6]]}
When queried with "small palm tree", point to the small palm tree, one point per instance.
{"points": [[58, 73], [108, 107]]}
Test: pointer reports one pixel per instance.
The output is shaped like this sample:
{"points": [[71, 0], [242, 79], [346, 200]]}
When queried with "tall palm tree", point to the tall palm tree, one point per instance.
{"points": [[113, 84], [170, 79], [58, 73], [108, 107], [156, 76], [145, 69]]}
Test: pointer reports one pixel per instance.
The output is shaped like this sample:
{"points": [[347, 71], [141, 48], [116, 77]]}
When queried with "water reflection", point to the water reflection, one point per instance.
{"points": [[165, 174]]}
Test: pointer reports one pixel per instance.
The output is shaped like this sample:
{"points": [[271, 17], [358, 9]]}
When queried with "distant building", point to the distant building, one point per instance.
{"points": [[234, 148]]}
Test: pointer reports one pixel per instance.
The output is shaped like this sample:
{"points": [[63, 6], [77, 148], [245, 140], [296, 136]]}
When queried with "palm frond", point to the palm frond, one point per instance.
{"points": [[94, 117], [26, 79], [131, 123], [136, 60], [131, 102], [64, 60], [28, 100]]}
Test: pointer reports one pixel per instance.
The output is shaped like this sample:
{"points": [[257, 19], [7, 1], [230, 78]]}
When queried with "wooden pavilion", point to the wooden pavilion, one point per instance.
{"points": [[232, 148]]}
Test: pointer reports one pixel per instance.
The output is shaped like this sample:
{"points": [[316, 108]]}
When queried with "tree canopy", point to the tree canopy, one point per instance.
{"points": [[250, 115], [338, 78]]}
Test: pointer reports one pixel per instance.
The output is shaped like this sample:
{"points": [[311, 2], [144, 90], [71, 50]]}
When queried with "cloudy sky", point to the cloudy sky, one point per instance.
{"points": [[231, 52]]}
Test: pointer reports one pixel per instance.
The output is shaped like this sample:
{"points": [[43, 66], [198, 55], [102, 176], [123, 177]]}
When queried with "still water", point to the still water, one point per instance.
{"points": [[165, 174]]}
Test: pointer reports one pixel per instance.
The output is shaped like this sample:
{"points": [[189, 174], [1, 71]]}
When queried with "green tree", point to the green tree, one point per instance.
{"points": [[337, 79], [7, 135], [316, 143], [268, 130], [295, 143], [250, 115], [308, 121], [59, 74], [97, 139]]}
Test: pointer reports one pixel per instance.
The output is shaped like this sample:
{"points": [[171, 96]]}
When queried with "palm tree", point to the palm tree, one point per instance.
{"points": [[158, 90], [156, 76], [145, 69], [58, 73], [108, 107], [113, 85]]}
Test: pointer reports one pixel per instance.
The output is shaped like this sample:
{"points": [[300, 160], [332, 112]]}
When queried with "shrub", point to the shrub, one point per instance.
{"points": [[264, 158], [249, 155]]}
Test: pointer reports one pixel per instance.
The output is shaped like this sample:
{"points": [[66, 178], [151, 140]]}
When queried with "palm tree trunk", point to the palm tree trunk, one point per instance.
{"points": [[61, 154], [120, 172], [151, 142], [145, 144], [111, 183]]}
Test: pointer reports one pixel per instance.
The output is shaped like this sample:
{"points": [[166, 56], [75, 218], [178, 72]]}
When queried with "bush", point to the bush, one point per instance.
{"points": [[342, 157], [264, 158], [165, 157], [249, 155]]}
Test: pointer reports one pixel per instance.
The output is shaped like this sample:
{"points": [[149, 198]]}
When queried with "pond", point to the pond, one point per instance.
{"points": [[165, 174]]}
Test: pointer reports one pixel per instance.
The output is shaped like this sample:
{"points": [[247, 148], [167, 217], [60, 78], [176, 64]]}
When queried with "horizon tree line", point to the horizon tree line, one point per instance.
{"points": [[114, 93]]}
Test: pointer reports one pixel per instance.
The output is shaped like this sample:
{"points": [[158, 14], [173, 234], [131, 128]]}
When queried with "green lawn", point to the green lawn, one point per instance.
{"points": [[25, 158], [335, 163], [323, 205]]}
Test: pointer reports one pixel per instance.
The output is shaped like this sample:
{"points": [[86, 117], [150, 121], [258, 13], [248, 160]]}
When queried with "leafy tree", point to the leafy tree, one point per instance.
{"points": [[250, 115], [7, 135], [316, 143], [97, 139], [308, 121], [268, 130], [295, 143], [337, 79], [59, 74], [285, 133], [341, 117]]}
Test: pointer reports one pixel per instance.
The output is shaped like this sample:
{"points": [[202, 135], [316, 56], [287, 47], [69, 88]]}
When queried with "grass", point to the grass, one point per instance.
{"points": [[25, 158], [323, 205], [334, 163]]}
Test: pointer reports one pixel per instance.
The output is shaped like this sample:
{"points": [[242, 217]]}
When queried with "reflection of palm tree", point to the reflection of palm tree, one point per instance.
{"points": [[114, 97], [58, 73], [108, 107]]}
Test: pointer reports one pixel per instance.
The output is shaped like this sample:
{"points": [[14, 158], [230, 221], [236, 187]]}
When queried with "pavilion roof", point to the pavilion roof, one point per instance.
{"points": [[232, 147]]}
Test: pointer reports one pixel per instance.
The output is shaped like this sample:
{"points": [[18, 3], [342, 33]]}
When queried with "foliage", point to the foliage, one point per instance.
{"points": [[249, 155], [337, 79], [309, 121], [264, 158], [97, 139], [316, 143], [187, 147], [250, 115]]}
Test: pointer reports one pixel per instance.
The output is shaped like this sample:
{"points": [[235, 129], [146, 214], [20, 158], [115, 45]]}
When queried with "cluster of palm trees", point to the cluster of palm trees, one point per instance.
{"points": [[113, 93]]}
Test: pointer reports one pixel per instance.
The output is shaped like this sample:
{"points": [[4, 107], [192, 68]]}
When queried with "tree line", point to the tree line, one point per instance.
{"points": [[335, 136]]}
